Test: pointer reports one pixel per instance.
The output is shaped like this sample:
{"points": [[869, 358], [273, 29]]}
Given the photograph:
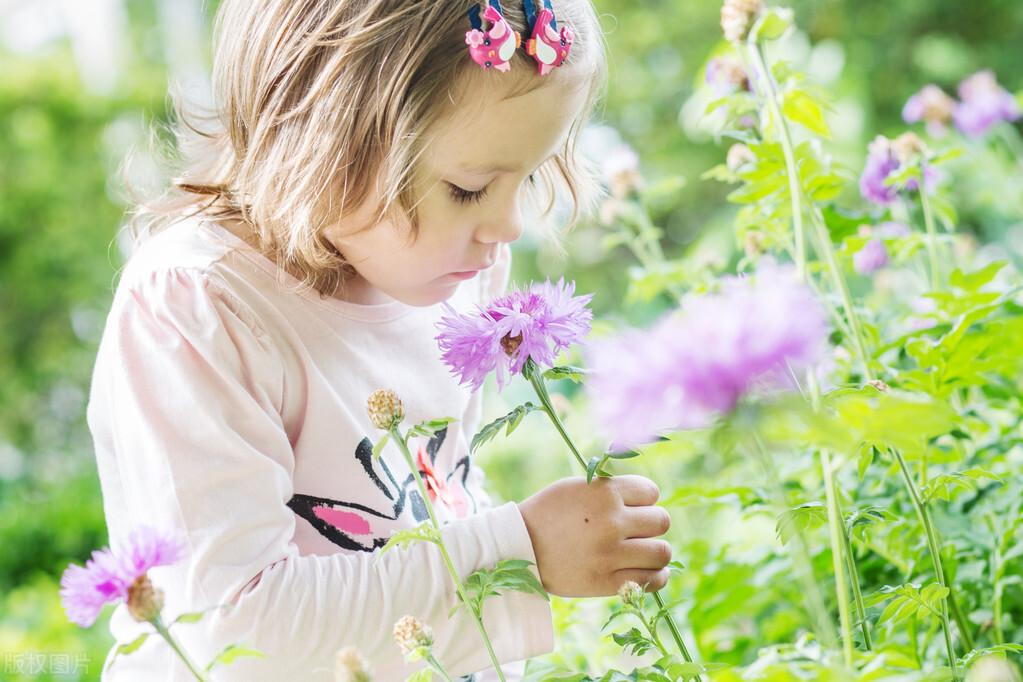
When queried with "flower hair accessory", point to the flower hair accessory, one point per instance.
{"points": [[494, 47], [547, 45]]}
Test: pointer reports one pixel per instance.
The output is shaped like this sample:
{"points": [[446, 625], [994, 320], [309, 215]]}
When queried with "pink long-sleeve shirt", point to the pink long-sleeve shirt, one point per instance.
{"points": [[232, 410]]}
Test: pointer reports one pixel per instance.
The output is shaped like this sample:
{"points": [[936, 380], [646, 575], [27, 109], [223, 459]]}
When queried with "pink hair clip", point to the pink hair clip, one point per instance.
{"points": [[548, 46], [494, 47]]}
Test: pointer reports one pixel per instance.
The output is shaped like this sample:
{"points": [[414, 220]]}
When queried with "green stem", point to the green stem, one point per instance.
{"points": [[823, 625], [531, 372], [836, 533], [854, 579], [932, 235], [914, 639], [432, 661], [165, 633], [932, 542], [459, 587], [535, 377], [675, 634], [653, 632], [824, 247]]}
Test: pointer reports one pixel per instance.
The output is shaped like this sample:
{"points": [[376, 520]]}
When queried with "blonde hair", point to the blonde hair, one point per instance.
{"points": [[316, 99]]}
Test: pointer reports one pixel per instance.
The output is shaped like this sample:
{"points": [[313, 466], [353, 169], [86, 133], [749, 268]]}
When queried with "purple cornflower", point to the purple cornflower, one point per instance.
{"points": [[984, 104], [890, 229], [698, 363], [871, 258], [111, 575], [536, 323], [932, 106]]}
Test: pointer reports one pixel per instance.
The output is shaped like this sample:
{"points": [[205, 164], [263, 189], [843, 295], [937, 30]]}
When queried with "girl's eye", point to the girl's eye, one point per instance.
{"points": [[465, 196]]}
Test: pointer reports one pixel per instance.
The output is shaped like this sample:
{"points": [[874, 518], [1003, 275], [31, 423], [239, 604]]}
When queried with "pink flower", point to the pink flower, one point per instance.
{"points": [[932, 106], [693, 366], [109, 574], [871, 258], [474, 38], [537, 323], [984, 104]]}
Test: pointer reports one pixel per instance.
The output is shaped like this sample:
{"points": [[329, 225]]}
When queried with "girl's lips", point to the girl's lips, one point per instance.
{"points": [[465, 275]]}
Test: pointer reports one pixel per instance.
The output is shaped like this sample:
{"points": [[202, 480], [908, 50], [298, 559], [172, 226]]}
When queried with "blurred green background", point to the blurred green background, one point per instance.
{"points": [[82, 83]]}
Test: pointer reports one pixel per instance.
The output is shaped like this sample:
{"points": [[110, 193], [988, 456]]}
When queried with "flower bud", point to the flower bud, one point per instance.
{"points": [[350, 666], [144, 600], [385, 409], [737, 18], [879, 385], [993, 669], [411, 634], [738, 156], [631, 593], [908, 147]]}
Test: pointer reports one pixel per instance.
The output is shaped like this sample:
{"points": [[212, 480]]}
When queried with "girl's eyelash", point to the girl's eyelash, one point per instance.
{"points": [[465, 196]]}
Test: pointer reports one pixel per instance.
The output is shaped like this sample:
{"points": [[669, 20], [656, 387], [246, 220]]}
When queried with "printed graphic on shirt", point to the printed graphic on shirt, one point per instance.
{"points": [[358, 527]]}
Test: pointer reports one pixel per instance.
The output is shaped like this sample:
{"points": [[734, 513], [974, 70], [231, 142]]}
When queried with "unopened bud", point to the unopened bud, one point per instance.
{"points": [[993, 669], [738, 156], [908, 147], [631, 593], [385, 409], [737, 18], [350, 666], [144, 600], [411, 634]]}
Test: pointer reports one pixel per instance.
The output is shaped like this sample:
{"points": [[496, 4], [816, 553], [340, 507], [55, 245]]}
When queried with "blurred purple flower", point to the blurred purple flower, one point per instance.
{"points": [[726, 75], [109, 575], [697, 364], [537, 323], [871, 258], [890, 229], [984, 104], [882, 161], [932, 106]]}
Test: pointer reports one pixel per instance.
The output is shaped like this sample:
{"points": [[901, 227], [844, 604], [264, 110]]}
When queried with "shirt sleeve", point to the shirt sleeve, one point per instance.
{"points": [[185, 412]]}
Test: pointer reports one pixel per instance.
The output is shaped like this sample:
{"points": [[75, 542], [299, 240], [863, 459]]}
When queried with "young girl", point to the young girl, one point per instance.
{"points": [[369, 160]]}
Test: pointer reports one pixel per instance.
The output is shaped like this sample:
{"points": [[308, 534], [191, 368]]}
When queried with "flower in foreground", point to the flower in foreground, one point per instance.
{"points": [[697, 364], [384, 408], [932, 106], [412, 635], [737, 17], [350, 666], [120, 574], [536, 323], [871, 258], [984, 104]]}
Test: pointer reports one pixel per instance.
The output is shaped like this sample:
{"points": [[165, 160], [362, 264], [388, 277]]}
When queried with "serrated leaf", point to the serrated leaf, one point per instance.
{"points": [[633, 641], [130, 647], [424, 532], [575, 374], [231, 653], [507, 575], [804, 517], [973, 281], [510, 420], [948, 486], [908, 601], [800, 107]]}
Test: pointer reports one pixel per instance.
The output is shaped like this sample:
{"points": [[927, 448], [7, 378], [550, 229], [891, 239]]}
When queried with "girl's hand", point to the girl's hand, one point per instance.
{"points": [[590, 538]]}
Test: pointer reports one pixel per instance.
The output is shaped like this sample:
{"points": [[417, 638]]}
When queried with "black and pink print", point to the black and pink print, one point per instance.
{"points": [[358, 527]]}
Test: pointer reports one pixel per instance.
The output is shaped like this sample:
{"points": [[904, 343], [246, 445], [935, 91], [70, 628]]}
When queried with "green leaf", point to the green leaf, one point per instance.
{"points": [[575, 374], [231, 653], [130, 647], [633, 641], [193, 617], [973, 281], [804, 517], [513, 575], [424, 532], [948, 486], [771, 24], [424, 675], [800, 107], [998, 649], [595, 463], [510, 420], [907, 601], [378, 447]]}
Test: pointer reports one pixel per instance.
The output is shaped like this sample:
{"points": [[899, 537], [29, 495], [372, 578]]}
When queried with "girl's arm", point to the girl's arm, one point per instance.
{"points": [[185, 411]]}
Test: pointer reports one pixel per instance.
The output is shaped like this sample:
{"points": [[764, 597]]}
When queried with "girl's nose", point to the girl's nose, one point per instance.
{"points": [[502, 225]]}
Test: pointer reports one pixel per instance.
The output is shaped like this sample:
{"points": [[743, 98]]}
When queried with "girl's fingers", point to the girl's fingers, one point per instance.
{"points": [[646, 522], [644, 554], [635, 491]]}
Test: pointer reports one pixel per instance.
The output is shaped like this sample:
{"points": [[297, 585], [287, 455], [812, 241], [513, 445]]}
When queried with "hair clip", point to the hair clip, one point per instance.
{"points": [[494, 47], [548, 46]]}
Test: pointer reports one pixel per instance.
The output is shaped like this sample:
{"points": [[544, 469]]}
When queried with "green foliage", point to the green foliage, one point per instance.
{"points": [[507, 575], [508, 422]]}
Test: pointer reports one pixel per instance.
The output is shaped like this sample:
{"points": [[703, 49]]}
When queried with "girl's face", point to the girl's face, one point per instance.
{"points": [[471, 185]]}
